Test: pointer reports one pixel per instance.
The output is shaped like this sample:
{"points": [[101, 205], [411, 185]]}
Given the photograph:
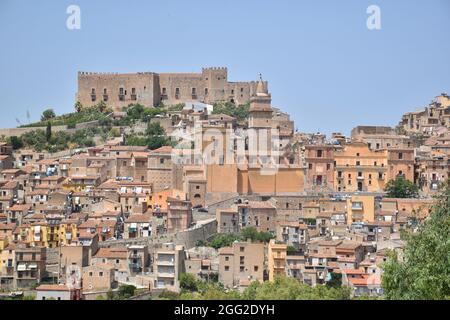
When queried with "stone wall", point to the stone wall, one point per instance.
{"points": [[210, 85], [118, 90]]}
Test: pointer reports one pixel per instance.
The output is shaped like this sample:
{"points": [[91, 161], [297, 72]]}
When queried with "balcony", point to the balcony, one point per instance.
{"points": [[357, 206], [133, 96], [121, 97], [278, 267], [105, 97], [165, 262], [166, 275]]}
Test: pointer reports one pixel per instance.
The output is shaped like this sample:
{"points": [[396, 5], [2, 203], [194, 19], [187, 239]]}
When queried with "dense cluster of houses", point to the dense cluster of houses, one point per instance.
{"points": [[79, 224]]}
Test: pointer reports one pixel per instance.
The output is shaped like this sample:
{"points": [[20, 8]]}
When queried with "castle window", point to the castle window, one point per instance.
{"points": [[133, 94], [194, 93], [242, 89], [232, 91], [93, 96], [177, 93], [121, 94], [400, 155], [319, 153], [206, 91]]}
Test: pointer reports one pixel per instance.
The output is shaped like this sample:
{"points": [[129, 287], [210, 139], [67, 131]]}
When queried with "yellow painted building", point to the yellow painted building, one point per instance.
{"points": [[360, 209], [360, 169], [68, 230], [276, 257]]}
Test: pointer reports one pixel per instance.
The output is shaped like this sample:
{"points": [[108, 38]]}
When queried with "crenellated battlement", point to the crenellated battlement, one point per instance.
{"points": [[149, 88], [208, 69], [88, 73]]}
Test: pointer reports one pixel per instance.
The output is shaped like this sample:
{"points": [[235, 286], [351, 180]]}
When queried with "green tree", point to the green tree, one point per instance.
{"points": [[249, 233], [168, 295], [109, 295], [156, 136], [223, 240], [424, 271], [284, 288], [188, 282], [240, 112], [47, 115], [253, 234], [48, 131], [401, 188], [15, 142], [264, 236], [291, 249], [78, 106], [126, 291]]}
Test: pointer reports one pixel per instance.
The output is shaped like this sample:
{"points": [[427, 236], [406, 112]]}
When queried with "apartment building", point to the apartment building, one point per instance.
{"points": [[168, 265], [277, 259], [242, 262]]}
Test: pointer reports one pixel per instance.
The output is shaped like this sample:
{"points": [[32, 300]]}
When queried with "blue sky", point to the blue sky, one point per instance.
{"points": [[323, 65]]}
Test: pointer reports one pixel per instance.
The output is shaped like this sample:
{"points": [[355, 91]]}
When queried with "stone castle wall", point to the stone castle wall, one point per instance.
{"points": [[149, 89]]}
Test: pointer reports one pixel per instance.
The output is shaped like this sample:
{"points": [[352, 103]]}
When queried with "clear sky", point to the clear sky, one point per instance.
{"points": [[323, 65]]}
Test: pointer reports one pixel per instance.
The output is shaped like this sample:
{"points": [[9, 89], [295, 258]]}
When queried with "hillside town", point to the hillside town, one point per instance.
{"points": [[157, 176]]}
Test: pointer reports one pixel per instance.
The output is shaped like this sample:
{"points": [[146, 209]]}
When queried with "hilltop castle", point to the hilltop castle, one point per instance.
{"points": [[150, 89]]}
